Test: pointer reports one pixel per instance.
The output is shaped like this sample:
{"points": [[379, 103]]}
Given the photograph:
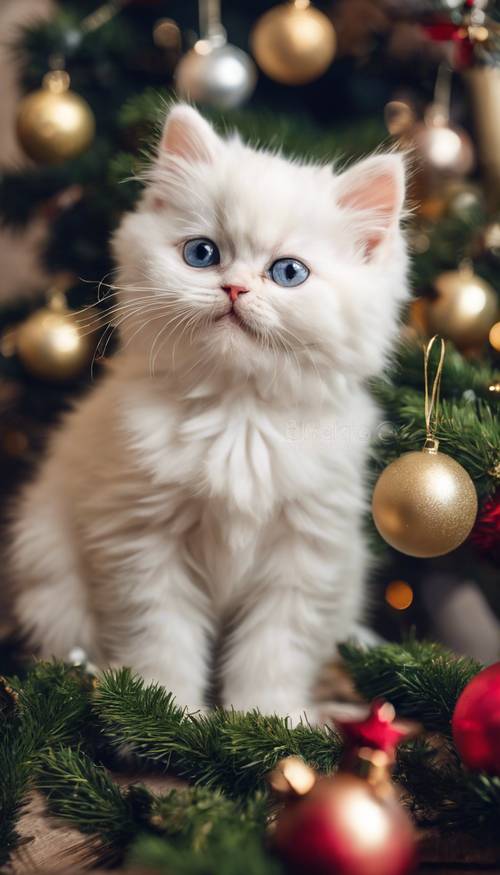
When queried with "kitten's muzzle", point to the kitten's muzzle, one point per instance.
{"points": [[234, 291]]}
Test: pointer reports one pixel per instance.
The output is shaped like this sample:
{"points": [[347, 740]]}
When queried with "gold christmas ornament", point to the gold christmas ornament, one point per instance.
{"points": [[53, 123], [494, 336], [463, 309], [442, 148], [51, 343], [293, 43], [424, 503]]}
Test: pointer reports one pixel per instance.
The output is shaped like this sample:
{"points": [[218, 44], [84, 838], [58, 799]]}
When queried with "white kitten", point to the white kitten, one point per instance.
{"points": [[211, 487]]}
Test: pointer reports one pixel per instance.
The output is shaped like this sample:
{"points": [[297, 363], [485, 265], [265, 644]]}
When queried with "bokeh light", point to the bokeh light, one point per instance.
{"points": [[399, 595]]}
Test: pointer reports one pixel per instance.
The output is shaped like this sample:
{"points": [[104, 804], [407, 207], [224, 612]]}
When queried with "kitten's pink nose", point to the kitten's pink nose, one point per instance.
{"points": [[234, 291]]}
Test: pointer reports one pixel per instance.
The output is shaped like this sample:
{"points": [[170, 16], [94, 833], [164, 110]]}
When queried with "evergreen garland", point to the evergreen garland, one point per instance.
{"points": [[226, 750], [59, 728]]}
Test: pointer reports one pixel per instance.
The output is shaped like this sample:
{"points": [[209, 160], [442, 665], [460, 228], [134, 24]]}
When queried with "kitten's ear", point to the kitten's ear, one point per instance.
{"points": [[373, 191], [188, 136]]}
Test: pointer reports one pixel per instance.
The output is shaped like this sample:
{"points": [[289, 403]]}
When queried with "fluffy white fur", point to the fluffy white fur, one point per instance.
{"points": [[210, 489]]}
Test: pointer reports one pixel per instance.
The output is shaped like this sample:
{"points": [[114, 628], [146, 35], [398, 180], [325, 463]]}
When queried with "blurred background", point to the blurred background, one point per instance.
{"points": [[84, 86]]}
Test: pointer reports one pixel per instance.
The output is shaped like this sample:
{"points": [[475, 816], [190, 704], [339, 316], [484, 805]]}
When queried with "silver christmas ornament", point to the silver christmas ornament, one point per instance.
{"points": [[219, 76], [214, 72]]}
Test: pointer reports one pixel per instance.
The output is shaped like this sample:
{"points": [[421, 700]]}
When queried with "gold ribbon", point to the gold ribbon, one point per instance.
{"points": [[432, 396]]}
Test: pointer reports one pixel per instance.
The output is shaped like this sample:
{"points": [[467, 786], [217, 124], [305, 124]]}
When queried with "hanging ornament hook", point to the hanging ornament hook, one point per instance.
{"points": [[442, 92], [432, 396], [212, 31]]}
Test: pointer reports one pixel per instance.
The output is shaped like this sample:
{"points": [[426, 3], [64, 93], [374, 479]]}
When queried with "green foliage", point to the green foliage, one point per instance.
{"points": [[446, 795], [192, 829], [230, 854], [206, 834], [15, 771], [52, 708], [221, 749], [468, 425], [83, 793], [460, 375], [62, 722], [420, 678]]}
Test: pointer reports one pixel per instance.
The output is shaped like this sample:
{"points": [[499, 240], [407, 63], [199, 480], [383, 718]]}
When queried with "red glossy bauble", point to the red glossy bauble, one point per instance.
{"points": [[343, 827], [476, 722], [486, 532]]}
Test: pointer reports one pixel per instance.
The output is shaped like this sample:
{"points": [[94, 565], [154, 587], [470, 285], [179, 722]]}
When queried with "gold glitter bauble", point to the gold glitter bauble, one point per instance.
{"points": [[293, 43], [54, 124], [464, 308], [52, 346], [424, 504]]}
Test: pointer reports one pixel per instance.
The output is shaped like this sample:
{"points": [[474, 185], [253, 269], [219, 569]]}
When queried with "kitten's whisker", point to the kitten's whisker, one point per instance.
{"points": [[177, 318], [109, 331], [108, 315], [305, 348], [154, 352], [141, 327]]}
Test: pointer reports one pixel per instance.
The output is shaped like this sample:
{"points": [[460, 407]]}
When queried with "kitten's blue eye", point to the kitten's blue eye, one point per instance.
{"points": [[201, 252], [288, 272]]}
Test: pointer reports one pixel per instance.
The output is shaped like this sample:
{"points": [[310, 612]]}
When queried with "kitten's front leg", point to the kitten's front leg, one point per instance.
{"points": [[162, 631], [305, 602], [272, 657]]}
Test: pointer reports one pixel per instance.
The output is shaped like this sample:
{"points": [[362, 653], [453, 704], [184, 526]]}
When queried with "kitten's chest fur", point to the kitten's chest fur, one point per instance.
{"points": [[232, 447], [233, 460]]}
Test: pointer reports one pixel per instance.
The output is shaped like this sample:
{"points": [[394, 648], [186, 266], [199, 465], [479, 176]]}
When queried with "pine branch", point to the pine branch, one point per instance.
{"points": [[226, 750], [231, 855], [201, 830], [447, 796], [422, 680], [82, 793], [467, 431], [460, 375], [52, 708], [15, 774]]}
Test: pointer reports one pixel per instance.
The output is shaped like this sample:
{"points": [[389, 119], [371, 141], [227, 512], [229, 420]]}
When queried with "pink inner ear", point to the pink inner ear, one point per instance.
{"points": [[187, 135], [373, 189], [377, 193]]}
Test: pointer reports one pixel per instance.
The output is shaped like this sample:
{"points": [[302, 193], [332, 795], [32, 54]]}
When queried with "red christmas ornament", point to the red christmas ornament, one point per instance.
{"points": [[347, 824], [343, 826], [476, 722], [486, 533]]}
